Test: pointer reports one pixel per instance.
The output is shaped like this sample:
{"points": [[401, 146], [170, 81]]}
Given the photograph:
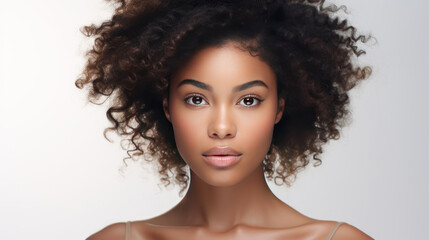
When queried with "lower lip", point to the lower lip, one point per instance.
{"points": [[222, 161]]}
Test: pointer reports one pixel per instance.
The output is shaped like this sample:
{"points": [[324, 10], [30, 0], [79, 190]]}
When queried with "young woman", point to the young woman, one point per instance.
{"points": [[236, 90]]}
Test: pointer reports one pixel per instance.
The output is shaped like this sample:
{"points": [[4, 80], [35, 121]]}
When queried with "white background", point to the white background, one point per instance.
{"points": [[59, 177]]}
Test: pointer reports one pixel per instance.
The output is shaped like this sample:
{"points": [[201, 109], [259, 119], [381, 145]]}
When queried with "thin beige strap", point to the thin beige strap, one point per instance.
{"points": [[127, 230], [334, 229]]}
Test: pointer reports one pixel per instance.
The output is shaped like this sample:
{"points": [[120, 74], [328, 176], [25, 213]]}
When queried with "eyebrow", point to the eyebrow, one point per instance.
{"points": [[238, 88]]}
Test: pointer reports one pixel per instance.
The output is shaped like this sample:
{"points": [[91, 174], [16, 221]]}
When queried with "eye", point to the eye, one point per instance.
{"points": [[250, 101], [195, 100]]}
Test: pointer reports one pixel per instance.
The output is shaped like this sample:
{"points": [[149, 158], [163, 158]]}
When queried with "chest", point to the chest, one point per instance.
{"points": [[248, 233]]}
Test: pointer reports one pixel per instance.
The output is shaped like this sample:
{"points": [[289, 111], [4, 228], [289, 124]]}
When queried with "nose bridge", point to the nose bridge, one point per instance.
{"points": [[222, 123]]}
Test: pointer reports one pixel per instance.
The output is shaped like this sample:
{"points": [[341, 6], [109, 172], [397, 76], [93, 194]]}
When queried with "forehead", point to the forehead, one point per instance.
{"points": [[225, 66]]}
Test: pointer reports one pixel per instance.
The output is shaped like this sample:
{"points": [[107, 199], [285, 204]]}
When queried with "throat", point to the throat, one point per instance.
{"points": [[225, 208]]}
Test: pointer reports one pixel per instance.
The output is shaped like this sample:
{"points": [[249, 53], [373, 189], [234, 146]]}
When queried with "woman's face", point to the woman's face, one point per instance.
{"points": [[223, 98]]}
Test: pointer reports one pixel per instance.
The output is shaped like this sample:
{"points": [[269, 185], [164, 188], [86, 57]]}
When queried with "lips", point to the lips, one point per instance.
{"points": [[221, 157], [221, 151]]}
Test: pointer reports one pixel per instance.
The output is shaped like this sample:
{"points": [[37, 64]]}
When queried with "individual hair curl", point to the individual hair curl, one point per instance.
{"points": [[311, 50]]}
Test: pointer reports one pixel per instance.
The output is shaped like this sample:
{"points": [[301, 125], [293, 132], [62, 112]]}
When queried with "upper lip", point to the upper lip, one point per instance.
{"points": [[221, 151]]}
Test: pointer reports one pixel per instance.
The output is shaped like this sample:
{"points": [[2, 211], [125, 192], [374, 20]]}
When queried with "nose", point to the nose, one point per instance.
{"points": [[222, 124]]}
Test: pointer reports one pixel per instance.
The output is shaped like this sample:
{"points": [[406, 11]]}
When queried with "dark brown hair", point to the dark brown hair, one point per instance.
{"points": [[311, 50]]}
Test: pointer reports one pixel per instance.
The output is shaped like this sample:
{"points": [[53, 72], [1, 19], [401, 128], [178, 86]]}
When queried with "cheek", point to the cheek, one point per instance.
{"points": [[188, 131], [257, 133]]}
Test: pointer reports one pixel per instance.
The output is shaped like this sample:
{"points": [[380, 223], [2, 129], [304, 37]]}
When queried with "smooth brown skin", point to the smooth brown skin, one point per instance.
{"points": [[233, 203]]}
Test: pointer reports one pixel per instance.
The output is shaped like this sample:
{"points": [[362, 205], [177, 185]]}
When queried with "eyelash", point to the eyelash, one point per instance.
{"points": [[255, 97]]}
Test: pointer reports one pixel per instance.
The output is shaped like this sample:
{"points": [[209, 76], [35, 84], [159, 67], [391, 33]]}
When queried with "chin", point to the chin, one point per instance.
{"points": [[221, 178]]}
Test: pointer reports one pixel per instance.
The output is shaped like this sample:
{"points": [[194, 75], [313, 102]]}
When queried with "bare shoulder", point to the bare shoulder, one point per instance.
{"points": [[115, 231], [349, 232]]}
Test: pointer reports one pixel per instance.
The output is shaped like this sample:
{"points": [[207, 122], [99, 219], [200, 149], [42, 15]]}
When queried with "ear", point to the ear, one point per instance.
{"points": [[280, 109], [165, 108]]}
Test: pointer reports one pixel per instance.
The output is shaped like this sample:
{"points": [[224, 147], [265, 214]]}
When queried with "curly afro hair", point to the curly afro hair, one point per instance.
{"points": [[311, 50]]}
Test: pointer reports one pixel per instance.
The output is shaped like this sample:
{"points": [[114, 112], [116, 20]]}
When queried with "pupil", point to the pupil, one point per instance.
{"points": [[248, 101], [196, 100]]}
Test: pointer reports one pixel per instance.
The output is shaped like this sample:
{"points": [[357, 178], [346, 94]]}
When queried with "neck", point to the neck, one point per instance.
{"points": [[249, 202]]}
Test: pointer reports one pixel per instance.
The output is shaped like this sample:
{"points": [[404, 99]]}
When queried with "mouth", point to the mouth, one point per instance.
{"points": [[222, 157], [221, 161]]}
